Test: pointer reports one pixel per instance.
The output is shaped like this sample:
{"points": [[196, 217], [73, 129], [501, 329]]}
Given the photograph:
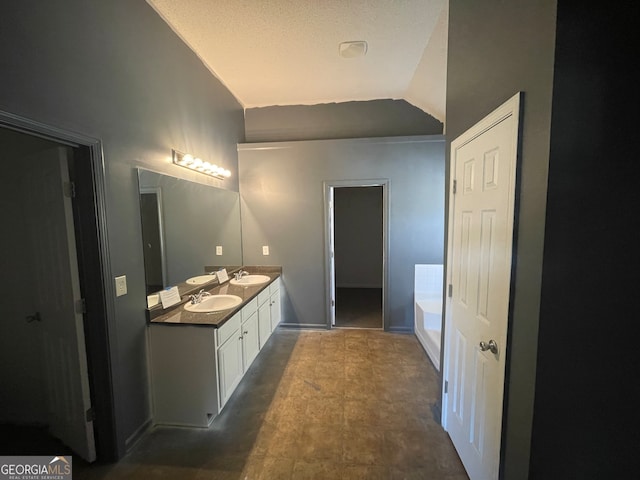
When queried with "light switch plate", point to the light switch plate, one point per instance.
{"points": [[121, 285], [265, 250], [218, 249]]}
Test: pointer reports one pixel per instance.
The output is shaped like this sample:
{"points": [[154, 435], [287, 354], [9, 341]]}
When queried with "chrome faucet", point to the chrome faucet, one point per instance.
{"points": [[197, 298], [240, 274]]}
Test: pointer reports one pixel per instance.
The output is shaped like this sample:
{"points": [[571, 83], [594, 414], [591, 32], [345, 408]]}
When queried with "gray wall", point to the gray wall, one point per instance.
{"points": [[586, 414], [376, 118], [281, 186], [358, 237], [495, 50], [115, 71]]}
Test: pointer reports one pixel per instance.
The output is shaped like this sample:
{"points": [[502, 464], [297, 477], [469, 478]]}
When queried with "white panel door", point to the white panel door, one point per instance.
{"points": [[483, 165], [57, 291]]}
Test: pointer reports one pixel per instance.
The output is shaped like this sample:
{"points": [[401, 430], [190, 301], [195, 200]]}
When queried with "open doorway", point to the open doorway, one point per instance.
{"points": [[55, 356], [356, 245], [153, 238]]}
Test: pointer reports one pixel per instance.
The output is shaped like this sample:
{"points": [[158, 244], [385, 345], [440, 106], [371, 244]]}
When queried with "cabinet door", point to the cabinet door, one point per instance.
{"points": [[276, 312], [250, 340], [264, 321], [229, 366]]}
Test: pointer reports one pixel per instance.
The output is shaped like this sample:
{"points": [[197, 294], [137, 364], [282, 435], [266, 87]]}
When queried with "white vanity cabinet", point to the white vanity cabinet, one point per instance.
{"points": [[264, 319], [269, 313], [250, 334], [274, 302], [229, 354], [195, 369], [184, 376]]}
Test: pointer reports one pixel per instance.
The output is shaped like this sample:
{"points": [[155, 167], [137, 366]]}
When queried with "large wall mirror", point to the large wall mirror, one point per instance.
{"points": [[185, 227]]}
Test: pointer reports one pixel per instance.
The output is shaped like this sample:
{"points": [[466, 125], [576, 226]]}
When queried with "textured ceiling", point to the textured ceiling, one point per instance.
{"points": [[285, 52]]}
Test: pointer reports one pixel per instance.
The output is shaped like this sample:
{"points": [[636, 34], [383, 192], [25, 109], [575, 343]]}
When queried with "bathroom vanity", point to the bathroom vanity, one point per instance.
{"points": [[198, 359]]}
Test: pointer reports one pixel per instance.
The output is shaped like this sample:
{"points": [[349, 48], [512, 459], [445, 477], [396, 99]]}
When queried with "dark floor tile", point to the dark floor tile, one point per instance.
{"points": [[268, 468], [363, 446], [281, 442], [329, 387], [339, 404], [325, 410], [328, 369], [320, 442], [361, 412], [208, 474], [365, 472], [164, 472], [316, 470], [227, 462], [409, 449]]}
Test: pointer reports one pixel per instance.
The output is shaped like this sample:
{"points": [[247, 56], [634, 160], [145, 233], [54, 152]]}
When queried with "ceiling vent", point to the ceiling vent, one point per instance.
{"points": [[353, 49]]}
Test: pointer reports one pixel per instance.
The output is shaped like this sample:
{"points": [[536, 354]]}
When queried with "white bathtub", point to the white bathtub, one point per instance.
{"points": [[428, 319], [428, 309]]}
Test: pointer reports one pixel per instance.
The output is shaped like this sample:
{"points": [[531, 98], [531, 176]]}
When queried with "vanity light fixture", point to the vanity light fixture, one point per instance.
{"points": [[188, 161]]}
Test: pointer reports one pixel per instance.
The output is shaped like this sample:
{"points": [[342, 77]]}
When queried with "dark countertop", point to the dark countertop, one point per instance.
{"points": [[178, 315]]}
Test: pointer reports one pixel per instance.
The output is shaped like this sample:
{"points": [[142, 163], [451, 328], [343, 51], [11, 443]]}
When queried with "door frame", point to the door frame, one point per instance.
{"points": [[329, 220], [510, 108], [90, 223]]}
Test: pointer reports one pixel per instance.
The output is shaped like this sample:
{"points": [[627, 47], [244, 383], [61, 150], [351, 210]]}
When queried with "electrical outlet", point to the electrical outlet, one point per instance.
{"points": [[218, 249], [121, 285], [265, 250]]}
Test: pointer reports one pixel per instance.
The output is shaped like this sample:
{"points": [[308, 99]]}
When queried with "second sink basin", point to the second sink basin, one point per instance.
{"points": [[250, 280], [214, 303], [200, 279]]}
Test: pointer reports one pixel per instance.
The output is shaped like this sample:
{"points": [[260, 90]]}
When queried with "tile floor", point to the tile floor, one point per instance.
{"points": [[339, 404]]}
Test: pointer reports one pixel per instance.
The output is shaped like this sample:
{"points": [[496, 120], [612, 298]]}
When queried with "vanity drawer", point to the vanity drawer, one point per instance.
{"points": [[229, 328], [263, 296], [275, 286], [249, 309]]}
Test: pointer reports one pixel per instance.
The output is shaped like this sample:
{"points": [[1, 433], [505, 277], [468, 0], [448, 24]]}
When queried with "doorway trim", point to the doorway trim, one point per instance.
{"points": [[328, 187], [100, 338]]}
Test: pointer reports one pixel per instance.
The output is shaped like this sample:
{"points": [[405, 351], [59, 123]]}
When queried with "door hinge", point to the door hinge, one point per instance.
{"points": [[446, 386], [90, 414], [455, 186], [70, 189], [450, 291], [81, 306], [333, 303]]}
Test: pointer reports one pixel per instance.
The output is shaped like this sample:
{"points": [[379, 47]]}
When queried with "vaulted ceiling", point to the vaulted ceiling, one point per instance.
{"points": [[286, 52]]}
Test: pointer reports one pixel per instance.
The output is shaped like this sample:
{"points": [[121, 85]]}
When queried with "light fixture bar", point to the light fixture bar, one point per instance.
{"points": [[187, 160]]}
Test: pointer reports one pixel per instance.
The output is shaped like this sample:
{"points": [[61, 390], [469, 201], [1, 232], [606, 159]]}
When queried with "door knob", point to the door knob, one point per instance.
{"points": [[492, 346]]}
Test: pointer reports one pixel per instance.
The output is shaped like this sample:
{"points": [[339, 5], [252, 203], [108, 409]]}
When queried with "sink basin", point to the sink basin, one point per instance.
{"points": [[249, 280], [214, 303], [200, 279]]}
